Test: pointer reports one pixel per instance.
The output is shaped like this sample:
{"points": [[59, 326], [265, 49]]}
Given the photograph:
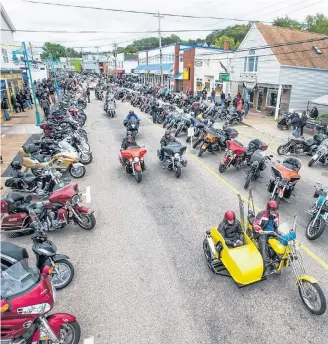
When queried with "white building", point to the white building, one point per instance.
{"points": [[127, 63], [278, 78], [186, 66]]}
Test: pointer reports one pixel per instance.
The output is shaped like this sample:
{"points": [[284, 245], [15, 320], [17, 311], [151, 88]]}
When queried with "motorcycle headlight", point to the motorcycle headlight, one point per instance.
{"points": [[133, 125], [136, 159], [75, 199], [58, 174], [177, 155], [35, 309]]}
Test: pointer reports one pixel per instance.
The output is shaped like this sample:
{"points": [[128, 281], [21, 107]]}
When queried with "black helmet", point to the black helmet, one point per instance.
{"points": [[16, 165]]}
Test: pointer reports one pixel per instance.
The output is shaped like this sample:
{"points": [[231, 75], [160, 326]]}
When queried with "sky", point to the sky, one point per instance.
{"points": [[30, 16]]}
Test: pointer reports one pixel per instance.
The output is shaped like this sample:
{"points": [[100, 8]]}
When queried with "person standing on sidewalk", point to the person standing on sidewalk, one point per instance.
{"points": [[222, 96], [246, 107], [5, 108], [228, 100], [52, 94], [213, 96], [304, 119], [153, 112], [88, 93], [20, 100], [27, 97], [45, 105], [14, 103], [204, 94]]}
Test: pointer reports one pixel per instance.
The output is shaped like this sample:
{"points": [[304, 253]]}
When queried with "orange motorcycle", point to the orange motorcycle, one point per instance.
{"points": [[132, 159], [285, 177]]}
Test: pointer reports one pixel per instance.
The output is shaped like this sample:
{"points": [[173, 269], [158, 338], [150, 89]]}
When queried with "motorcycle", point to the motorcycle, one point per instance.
{"points": [[46, 255], [135, 164], [285, 177], [183, 126], [26, 298], [109, 108], [257, 164], [174, 160], [301, 146], [238, 156], [62, 162], [132, 125], [319, 214], [321, 154], [234, 117], [284, 122], [210, 141]]}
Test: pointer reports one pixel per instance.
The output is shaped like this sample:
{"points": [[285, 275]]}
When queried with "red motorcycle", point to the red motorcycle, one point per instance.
{"points": [[134, 161], [62, 207], [26, 298], [238, 156]]}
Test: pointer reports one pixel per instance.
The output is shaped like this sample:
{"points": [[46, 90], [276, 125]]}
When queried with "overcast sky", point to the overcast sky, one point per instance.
{"points": [[41, 17]]}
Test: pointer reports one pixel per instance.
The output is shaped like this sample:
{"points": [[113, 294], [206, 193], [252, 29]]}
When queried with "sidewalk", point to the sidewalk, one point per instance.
{"points": [[14, 134]]}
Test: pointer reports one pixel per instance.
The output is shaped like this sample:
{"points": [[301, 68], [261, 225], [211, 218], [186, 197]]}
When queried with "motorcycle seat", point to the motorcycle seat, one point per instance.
{"points": [[36, 207], [29, 178], [12, 253], [14, 197]]}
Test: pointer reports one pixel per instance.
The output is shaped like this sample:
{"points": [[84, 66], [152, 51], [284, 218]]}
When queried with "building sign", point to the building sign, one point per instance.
{"points": [[186, 74], [198, 63], [3, 85], [224, 77]]}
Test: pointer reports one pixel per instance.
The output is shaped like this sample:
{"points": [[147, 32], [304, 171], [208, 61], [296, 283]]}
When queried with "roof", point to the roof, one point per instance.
{"points": [[323, 100], [7, 19], [298, 55], [188, 46]]}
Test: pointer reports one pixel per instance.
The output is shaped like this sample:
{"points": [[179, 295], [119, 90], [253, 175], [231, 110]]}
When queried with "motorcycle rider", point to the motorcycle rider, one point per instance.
{"points": [[265, 221], [127, 142], [231, 231], [130, 115], [165, 140]]}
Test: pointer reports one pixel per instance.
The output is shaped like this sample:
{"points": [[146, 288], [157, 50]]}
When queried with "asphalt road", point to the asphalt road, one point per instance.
{"points": [[141, 276]]}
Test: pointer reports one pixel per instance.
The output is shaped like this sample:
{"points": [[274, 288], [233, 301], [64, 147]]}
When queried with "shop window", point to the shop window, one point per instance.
{"points": [[272, 98], [4, 55], [250, 64]]}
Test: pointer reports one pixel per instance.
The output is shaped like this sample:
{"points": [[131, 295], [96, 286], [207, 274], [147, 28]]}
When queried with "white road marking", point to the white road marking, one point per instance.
{"points": [[87, 194], [90, 340]]}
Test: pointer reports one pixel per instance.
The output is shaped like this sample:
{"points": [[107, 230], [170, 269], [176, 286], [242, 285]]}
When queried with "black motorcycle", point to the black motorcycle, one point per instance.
{"points": [[257, 164], [183, 126], [174, 160], [284, 122], [45, 251], [132, 125], [234, 117], [321, 154], [301, 146]]}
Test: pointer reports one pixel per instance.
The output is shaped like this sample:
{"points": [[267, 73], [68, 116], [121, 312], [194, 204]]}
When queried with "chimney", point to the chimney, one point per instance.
{"points": [[226, 45]]}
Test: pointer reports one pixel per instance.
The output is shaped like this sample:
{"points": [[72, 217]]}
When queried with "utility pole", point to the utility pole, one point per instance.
{"points": [[160, 44], [115, 58], [98, 58]]}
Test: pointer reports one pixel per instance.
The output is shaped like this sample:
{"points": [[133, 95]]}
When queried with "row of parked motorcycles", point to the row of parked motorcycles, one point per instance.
{"points": [[37, 204]]}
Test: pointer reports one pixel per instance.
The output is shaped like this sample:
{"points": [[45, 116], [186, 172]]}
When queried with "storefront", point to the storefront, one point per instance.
{"points": [[11, 83]]}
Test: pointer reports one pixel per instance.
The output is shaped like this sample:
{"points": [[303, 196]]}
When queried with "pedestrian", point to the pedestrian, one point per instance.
{"points": [[38, 95], [204, 94], [240, 104], [304, 119], [153, 112], [222, 97], [52, 94], [14, 103], [228, 100], [88, 93], [187, 92], [314, 113], [27, 98], [5, 108], [45, 105], [246, 107], [296, 124], [213, 96], [20, 100]]}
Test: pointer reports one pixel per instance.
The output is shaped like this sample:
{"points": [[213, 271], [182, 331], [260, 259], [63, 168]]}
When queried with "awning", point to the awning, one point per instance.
{"points": [[323, 100], [178, 76], [139, 68]]}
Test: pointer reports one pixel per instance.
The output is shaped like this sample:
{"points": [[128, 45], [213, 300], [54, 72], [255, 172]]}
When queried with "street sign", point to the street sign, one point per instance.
{"points": [[224, 77]]}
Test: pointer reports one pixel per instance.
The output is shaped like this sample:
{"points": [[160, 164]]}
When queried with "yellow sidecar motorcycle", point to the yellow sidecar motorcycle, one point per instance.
{"points": [[244, 264]]}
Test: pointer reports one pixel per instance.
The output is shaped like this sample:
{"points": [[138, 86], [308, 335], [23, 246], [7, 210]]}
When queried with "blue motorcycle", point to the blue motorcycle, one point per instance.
{"points": [[319, 214]]}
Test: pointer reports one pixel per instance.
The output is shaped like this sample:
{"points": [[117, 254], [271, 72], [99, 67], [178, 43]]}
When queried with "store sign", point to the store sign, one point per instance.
{"points": [[186, 74], [224, 77], [3, 85], [198, 63]]}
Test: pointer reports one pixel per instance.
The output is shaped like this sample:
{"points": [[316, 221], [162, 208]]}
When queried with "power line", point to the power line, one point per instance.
{"points": [[298, 9], [136, 12], [291, 5]]}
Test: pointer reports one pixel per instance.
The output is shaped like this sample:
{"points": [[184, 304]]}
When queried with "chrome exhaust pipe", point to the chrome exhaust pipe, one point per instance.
{"points": [[211, 246]]}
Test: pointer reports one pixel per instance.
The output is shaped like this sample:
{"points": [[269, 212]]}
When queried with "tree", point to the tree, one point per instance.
{"points": [[57, 51], [287, 22], [317, 23], [219, 42], [237, 32]]}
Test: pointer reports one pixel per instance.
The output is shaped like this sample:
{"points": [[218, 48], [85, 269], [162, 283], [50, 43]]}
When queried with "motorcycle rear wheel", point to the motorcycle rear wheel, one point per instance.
{"points": [[315, 230], [160, 119], [207, 255]]}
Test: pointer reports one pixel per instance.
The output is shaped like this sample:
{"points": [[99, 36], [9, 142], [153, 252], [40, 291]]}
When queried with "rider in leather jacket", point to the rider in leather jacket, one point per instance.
{"points": [[165, 140]]}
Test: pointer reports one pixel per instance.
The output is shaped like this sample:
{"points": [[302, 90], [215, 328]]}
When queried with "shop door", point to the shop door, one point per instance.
{"points": [[259, 100]]}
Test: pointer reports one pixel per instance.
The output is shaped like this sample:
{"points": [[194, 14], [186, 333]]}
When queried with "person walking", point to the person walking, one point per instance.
{"points": [[304, 119], [88, 93], [153, 112], [14, 103], [20, 100], [5, 108], [45, 105], [27, 98], [228, 100], [213, 96], [222, 97], [246, 107], [204, 94], [52, 94]]}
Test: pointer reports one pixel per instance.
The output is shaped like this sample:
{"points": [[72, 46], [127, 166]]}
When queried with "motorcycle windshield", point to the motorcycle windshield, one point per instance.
{"points": [[17, 279], [257, 156]]}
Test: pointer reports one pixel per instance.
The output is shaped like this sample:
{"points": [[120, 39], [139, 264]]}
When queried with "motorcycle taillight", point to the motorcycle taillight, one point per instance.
{"points": [[4, 206]]}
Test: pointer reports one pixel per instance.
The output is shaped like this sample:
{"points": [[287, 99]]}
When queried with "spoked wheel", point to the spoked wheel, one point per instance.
{"points": [[312, 297], [315, 228], [86, 221], [178, 171], [283, 149], [77, 172], [86, 158], [70, 333], [65, 274], [207, 254]]}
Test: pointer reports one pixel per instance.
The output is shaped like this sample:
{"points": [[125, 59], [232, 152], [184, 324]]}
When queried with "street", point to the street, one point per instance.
{"points": [[140, 274]]}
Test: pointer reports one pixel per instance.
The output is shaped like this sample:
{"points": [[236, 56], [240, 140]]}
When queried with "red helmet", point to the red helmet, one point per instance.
{"points": [[272, 205], [229, 215]]}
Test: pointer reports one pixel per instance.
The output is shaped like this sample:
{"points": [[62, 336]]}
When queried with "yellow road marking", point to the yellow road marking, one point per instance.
{"points": [[245, 199], [223, 181]]}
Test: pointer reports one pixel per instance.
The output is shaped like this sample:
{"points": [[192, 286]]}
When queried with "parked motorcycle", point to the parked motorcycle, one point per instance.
{"points": [[319, 214], [285, 177], [284, 122], [183, 126], [234, 117], [174, 160], [301, 146], [26, 298], [321, 154], [135, 164], [257, 164]]}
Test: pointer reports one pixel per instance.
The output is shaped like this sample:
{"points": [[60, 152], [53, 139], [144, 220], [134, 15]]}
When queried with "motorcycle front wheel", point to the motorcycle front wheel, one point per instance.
{"points": [[70, 333], [78, 172], [178, 171], [222, 168], [65, 276], [312, 297], [315, 229], [86, 221], [138, 176], [283, 149], [248, 180], [86, 158]]}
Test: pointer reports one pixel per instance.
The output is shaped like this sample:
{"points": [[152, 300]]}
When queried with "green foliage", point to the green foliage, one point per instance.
{"points": [[288, 23], [236, 32], [57, 51], [317, 23], [220, 42]]}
